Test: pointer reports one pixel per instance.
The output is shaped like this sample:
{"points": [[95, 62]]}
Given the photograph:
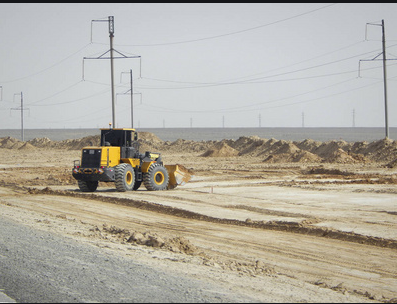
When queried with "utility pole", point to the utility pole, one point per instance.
{"points": [[131, 94], [111, 35], [384, 71], [21, 108], [385, 78], [132, 101], [354, 118], [259, 117], [303, 119], [111, 50]]}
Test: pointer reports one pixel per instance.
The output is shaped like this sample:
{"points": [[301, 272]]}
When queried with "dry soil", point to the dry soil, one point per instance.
{"points": [[278, 220]]}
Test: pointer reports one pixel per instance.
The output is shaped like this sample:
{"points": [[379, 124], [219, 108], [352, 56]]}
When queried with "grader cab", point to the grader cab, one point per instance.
{"points": [[118, 160]]}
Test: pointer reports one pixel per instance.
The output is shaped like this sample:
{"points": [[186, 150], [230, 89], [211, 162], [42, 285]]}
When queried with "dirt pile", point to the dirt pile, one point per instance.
{"points": [[271, 150], [221, 149], [8, 142], [176, 244]]}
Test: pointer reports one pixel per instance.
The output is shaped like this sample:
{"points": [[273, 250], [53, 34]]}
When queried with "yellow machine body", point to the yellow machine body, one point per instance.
{"points": [[109, 163]]}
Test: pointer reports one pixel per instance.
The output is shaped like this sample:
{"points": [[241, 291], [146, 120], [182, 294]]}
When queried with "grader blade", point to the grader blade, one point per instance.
{"points": [[178, 175]]}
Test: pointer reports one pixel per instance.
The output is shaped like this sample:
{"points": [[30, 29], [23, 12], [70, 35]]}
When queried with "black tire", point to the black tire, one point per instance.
{"points": [[137, 185], [124, 177], [156, 178], [87, 186]]}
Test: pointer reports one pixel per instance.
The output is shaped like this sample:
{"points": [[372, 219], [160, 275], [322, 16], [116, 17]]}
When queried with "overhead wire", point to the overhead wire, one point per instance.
{"points": [[57, 93], [296, 63], [73, 100], [248, 81], [252, 79], [41, 71], [247, 106], [244, 108], [235, 32]]}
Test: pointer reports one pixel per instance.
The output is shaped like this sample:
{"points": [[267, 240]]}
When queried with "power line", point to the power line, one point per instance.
{"points": [[39, 72], [236, 32], [243, 108], [257, 78], [57, 93], [74, 100]]}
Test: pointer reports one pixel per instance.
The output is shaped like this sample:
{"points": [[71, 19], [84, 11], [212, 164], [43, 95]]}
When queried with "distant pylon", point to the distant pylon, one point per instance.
{"points": [[21, 108], [303, 119]]}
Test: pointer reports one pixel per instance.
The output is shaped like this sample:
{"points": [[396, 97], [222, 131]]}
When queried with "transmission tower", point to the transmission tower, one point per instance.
{"points": [[384, 70], [111, 50]]}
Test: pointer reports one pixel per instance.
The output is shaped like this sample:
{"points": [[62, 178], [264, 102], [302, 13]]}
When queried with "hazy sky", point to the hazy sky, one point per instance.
{"points": [[197, 64]]}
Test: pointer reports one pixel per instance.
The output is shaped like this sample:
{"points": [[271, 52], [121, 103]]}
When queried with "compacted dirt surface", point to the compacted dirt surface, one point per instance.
{"points": [[278, 221]]}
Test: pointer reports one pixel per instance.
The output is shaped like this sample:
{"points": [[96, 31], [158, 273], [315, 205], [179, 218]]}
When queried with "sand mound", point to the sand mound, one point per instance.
{"points": [[40, 142], [306, 157], [285, 147], [249, 145], [392, 164], [27, 146], [330, 148], [339, 156], [309, 145], [221, 150], [176, 244], [271, 150], [183, 145], [149, 137], [8, 142], [382, 150], [297, 156]]}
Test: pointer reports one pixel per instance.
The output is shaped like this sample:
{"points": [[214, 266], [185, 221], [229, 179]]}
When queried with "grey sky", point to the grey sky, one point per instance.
{"points": [[201, 64]]}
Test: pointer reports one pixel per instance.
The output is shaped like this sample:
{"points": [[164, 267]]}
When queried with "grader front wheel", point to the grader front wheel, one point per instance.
{"points": [[156, 178]]}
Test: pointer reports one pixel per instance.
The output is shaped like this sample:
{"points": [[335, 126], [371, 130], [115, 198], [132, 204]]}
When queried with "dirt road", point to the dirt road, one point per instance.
{"points": [[285, 232]]}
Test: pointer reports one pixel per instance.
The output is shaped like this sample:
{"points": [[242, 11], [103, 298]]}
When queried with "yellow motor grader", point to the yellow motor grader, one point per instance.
{"points": [[118, 160]]}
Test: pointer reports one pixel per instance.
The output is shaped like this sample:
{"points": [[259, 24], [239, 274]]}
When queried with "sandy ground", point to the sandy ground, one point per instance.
{"points": [[279, 231]]}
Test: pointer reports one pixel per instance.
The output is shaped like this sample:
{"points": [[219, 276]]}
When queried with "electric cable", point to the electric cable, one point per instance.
{"points": [[39, 72], [236, 32], [257, 78]]}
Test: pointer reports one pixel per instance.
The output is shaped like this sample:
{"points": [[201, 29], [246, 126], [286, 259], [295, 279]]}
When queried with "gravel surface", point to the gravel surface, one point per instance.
{"points": [[38, 266]]}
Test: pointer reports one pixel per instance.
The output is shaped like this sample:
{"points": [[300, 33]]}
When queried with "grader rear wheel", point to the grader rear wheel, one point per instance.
{"points": [[87, 186], [124, 177], [137, 185], [156, 178]]}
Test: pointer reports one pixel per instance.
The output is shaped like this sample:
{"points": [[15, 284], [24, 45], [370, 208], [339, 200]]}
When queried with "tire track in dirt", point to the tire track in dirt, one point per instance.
{"points": [[333, 264], [291, 227]]}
